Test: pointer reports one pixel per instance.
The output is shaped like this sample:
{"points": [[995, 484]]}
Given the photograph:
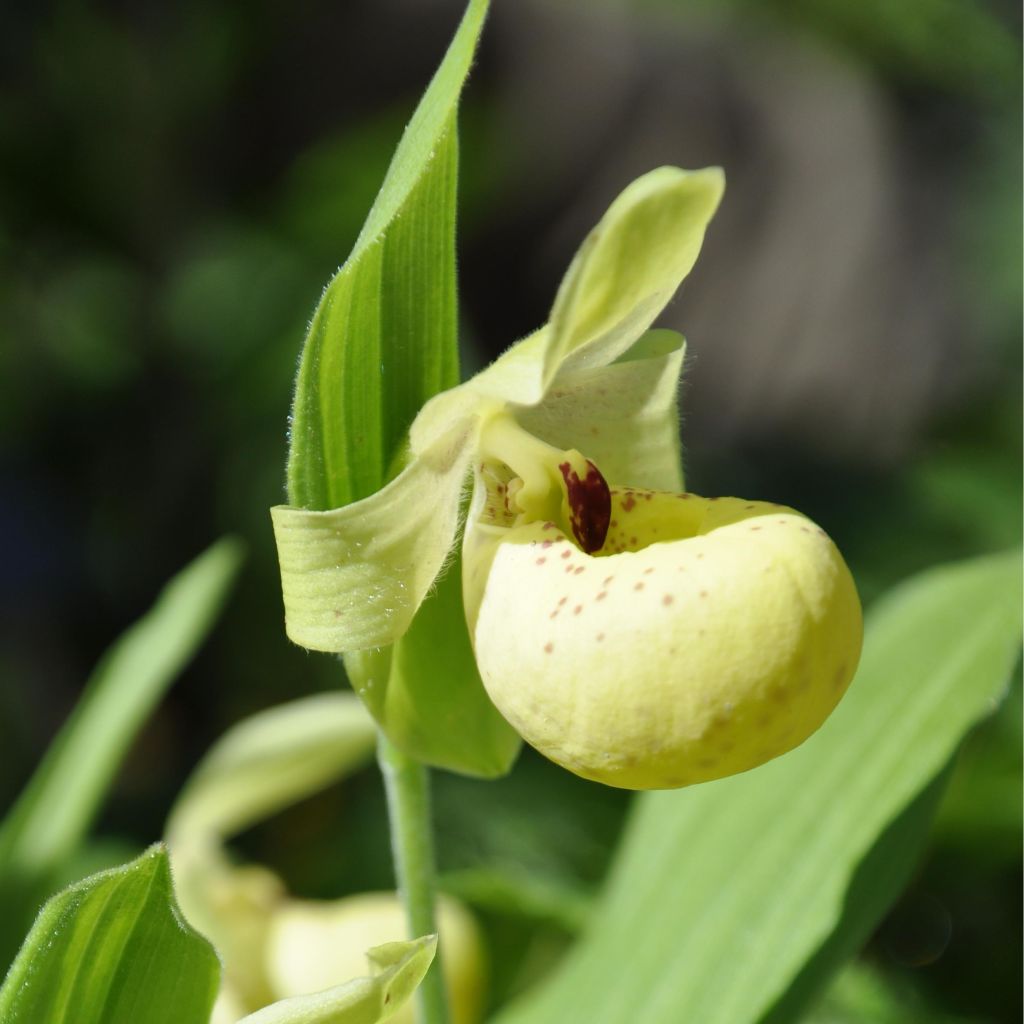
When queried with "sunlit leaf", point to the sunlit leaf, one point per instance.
{"points": [[383, 339], [113, 949], [724, 893]]}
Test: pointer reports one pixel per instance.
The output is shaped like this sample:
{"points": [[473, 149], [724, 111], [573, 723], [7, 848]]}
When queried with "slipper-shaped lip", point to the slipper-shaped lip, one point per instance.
{"points": [[705, 637]]}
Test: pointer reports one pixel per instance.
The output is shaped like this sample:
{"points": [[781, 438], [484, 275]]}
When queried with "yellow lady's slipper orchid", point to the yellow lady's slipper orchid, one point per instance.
{"points": [[645, 639], [637, 634]]}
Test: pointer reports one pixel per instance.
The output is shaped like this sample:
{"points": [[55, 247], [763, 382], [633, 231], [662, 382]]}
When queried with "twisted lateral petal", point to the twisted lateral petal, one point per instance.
{"points": [[354, 577], [705, 638]]}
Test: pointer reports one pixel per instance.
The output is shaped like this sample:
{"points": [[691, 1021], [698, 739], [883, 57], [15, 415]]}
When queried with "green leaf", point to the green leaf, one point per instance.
{"points": [[270, 761], [113, 949], [383, 339], [57, 807], [427, 693], [724, 893], [398, 967]]}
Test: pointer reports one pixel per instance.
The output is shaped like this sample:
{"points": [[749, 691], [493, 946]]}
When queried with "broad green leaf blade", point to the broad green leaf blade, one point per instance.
{"points": [[723, 893], [624, 417], [113, 949], [398, 968], [383, 339], [629, 267], [874, 887], [270, 761], [427, 694], [354, 577], [59, 803]]}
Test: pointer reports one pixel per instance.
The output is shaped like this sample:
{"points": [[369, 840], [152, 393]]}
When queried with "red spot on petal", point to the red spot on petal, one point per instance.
{"points": [[562, 601], [607, 580], [629, 504], [601, 596], [578, 570], [567, 553], [577, 609], [647, 572], [599, 637], [754, 529], [546, 544], [541, 561], [639, 586], [590, 505], [548, 648], [667, 600]]}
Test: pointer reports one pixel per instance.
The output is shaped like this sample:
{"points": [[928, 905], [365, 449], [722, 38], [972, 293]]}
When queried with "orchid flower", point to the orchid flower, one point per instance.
{"points": [[635, 633], [273, 946]]}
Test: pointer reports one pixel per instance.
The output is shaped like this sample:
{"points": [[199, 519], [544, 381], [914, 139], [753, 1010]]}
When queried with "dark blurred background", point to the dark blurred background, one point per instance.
{"points": [[179, 180]]}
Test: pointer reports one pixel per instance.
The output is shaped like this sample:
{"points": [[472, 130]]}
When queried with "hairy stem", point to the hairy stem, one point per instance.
{"points": [[408, 791]]}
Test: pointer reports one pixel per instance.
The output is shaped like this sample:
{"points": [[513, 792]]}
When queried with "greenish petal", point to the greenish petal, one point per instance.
{"points": [[629, 267], [353, 577], [624, 417], [397, 969]]}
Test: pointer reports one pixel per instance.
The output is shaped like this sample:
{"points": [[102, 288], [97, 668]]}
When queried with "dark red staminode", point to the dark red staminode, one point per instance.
{"points": [[590, 505]]}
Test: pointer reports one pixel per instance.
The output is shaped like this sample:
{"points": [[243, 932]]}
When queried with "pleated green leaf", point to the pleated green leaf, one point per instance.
{"points": [[732, 901], [383, 339], [397, 969], [55, 810], [113, 949]]}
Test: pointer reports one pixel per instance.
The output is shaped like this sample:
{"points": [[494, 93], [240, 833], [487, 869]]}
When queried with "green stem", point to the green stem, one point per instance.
{"points": [[408, 791]]}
